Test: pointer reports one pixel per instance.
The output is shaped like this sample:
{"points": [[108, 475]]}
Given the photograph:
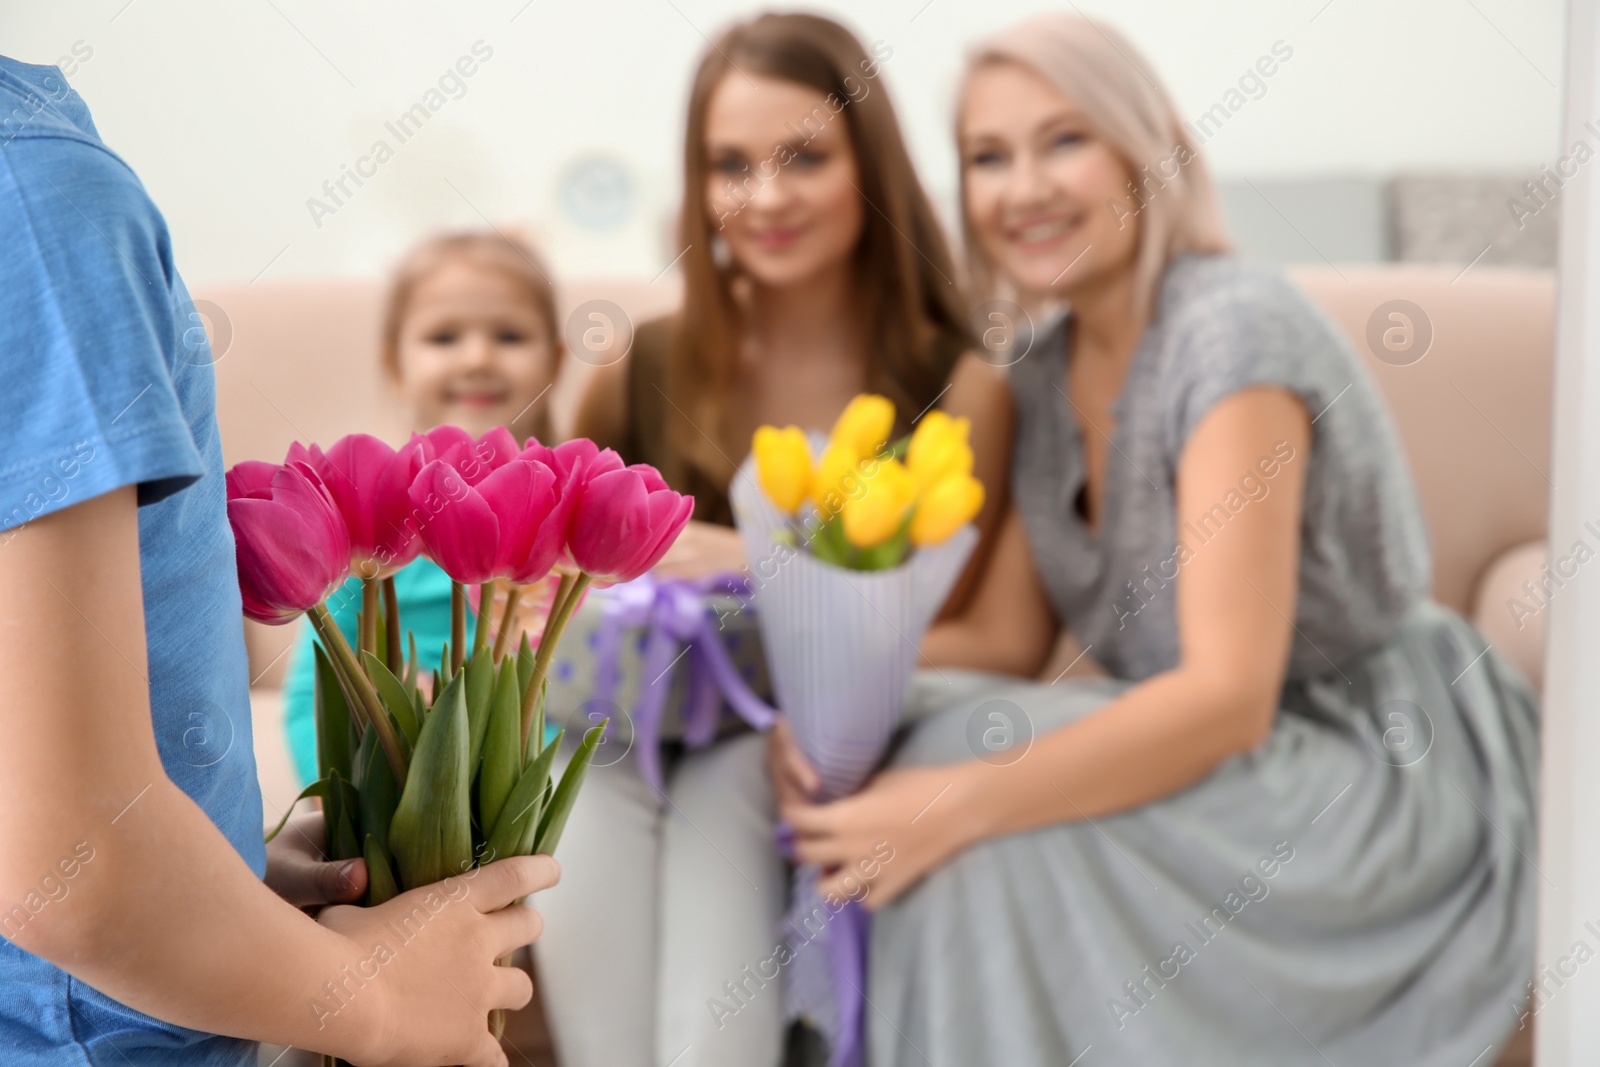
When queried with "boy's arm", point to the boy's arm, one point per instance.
{"points": [[160, 912]]}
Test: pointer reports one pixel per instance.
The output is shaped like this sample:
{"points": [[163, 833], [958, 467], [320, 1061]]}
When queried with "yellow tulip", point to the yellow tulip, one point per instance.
{"points": [[945, 507], [837, 477], [864, 425], [875, 514], [939, 448], [783, 465]]}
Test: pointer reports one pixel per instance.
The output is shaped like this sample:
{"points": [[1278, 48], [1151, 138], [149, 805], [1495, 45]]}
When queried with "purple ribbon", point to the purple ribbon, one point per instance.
{"points": [[673, 613], [847, 965]]}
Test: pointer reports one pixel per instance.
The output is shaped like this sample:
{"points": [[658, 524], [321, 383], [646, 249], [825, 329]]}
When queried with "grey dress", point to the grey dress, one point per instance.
{"points": [[1357, 890]]}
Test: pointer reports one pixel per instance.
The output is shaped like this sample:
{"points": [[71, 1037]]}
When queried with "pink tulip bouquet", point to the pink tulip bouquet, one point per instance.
{"points": [[427, 771]]}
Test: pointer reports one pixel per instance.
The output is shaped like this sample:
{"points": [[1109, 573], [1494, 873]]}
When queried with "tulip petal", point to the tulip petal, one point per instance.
{"points": [[522, 494], [250, 478], [607, 520], [459, 528]]}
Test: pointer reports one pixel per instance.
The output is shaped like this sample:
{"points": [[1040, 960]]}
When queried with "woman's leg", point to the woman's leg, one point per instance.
{"points": [[723, 887], [597, 955]]}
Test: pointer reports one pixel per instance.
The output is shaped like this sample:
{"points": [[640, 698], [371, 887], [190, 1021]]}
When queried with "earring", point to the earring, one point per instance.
{"points": [[721, 254]]}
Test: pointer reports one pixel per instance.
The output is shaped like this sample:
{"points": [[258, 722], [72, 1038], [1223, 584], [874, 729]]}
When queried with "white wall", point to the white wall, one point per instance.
{"points": [[236, 113]]}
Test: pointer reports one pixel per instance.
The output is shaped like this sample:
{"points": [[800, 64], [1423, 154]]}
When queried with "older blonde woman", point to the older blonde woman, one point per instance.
{"points": [[1296, 823]]}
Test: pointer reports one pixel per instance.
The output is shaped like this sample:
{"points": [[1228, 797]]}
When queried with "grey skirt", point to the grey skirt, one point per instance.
{"points": [[1358, 890]]}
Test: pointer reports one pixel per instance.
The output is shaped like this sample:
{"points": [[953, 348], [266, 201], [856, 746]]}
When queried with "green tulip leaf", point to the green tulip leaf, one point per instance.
{"points": [[519, 816], [525, 662], [379, 793], [536, 724], [501, 763], [888, 555], [566, 794], [531, 834], [412, 667], [319, 788], [480, 692], [346, 806], [828, 544], [334, 729], [392, 692], [430, 835], [381, 886]]}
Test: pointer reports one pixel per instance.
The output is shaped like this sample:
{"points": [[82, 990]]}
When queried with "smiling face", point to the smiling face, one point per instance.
{"points": [[1040, 185], [473, 351], [782, 182]]}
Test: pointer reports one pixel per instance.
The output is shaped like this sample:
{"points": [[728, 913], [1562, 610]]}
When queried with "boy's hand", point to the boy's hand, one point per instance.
{"points": [[297, 872], [427, 958]]}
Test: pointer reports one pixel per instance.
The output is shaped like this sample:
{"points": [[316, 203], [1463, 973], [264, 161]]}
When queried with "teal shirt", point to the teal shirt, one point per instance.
{"points": [[423, 591]]}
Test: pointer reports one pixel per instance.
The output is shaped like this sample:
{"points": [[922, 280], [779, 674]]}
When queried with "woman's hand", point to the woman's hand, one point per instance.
{"points": [[875, 845], [297, 872], [794, 780], [701, 550]]}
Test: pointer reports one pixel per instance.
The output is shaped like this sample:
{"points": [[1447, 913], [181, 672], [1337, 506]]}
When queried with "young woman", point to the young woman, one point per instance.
{"points": [[1296, 825], [815, 270]]}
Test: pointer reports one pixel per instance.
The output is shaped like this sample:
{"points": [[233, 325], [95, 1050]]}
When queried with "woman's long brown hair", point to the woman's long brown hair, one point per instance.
{"points": [[906, 273]]}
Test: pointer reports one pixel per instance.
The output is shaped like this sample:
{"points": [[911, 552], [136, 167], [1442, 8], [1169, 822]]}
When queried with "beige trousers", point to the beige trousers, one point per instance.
{"points": [[668, 901]]}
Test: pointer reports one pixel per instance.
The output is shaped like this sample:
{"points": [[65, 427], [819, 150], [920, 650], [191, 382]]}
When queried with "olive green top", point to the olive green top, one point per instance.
{"points": [[645, 438]]}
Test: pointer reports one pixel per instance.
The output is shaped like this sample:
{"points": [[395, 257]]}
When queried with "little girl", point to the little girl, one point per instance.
{"points": [[469, 339]]}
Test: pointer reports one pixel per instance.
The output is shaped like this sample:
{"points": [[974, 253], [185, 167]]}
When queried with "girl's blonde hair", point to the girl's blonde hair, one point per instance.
{"points": [[489, 250], [1120, 94]]}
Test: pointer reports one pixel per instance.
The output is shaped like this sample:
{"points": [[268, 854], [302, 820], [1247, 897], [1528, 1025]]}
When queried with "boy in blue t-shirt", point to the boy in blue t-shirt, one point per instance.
{"points": [[142, 918]]}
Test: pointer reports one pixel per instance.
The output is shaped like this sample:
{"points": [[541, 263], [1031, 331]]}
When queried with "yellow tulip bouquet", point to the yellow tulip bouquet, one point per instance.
{"points": [[853, 542], [872, 500]]}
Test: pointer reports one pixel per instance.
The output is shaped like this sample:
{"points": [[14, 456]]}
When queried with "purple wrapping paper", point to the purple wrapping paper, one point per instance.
{"points": [[841, 646]]}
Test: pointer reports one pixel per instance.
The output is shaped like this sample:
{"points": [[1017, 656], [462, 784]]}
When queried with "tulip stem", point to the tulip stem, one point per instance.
{"points": [[458, 625], [377, 717], [508, 620], [368, 631], [562, 594], [357, 707], [393, 659], [480, 635], [566, 601]]}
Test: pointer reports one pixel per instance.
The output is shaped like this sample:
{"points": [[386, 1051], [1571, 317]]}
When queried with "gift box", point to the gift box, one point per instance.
{"points": [[665, 660]]}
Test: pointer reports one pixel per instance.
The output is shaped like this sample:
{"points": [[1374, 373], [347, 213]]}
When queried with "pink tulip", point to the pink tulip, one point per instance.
{"points": [[512, 524], [570, 457], [291, 543], [573, 462], [473, 458], [624, 520], [368, 482]]}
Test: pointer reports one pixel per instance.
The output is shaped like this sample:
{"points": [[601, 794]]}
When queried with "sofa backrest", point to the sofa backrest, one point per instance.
{"points": [[1473, 411], [298, 360]]}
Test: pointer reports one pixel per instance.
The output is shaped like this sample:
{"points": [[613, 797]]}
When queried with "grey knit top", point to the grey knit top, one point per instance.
{"points": [[1219, 325]]}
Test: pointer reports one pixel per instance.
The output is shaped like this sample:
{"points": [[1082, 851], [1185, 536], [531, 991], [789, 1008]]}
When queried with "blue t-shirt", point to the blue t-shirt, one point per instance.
{"points": [[109, 383]]}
